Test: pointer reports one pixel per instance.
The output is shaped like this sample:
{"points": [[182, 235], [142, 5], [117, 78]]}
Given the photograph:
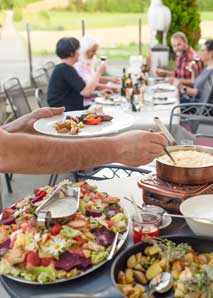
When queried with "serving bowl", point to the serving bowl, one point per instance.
{"points": [[200, 206], [185, 175]]}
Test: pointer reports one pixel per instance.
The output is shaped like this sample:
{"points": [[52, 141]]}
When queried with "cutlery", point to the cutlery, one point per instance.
{"points": [[113, 247], [203, 219], [169, 155], [166, 132]]}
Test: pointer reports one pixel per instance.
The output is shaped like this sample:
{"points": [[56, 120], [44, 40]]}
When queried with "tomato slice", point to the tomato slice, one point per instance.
{"points": [[93, 121]]}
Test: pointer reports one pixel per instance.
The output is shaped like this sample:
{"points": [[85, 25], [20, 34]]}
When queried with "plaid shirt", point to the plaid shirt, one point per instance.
{"points": [[181, 71]]}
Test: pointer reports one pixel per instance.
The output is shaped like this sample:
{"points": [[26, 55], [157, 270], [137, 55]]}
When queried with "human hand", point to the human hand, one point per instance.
{"points": [[115, 80], [102, 68], [161, 72], [140, 147], [25, 124]]}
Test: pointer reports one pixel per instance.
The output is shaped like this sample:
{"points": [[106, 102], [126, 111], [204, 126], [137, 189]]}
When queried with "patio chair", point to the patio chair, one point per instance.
{"points": [[16, 97], [107, 171], [40, 98], [40, 79], [49, 66], [20, 106], [197, 118]]}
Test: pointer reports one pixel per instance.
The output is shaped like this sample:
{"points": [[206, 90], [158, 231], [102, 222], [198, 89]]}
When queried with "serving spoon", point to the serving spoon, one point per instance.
{"points": [[203, 219], [162, 283]]}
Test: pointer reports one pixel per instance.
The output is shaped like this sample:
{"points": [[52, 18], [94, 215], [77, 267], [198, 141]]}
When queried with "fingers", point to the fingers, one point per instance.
{"points": [[156, 149], [57, 111], [48, 112], [158, 138]]}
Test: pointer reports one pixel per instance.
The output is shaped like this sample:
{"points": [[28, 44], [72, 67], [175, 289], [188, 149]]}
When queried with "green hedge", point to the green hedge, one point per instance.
{"points": [[116, 6], [185, 18]]}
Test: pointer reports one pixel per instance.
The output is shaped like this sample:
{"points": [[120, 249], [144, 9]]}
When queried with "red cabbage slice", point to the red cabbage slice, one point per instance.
{"points": [[4, 247], [93, 213], [106, 238], [8, 221], [68, 261]]}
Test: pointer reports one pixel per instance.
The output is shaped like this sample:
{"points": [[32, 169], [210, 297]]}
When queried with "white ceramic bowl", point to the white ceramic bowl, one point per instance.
{"points": [[199, 206]]}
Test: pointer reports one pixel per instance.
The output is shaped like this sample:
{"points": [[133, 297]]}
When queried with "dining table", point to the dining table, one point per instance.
{"points": [[100, 279]]}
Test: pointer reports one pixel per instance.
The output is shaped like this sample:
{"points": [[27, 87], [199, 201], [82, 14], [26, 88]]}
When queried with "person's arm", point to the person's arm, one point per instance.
{"points": [[188, 90], [164, 73], [105, 80], [187, 82], [91, 85], [23, 153], [25, 123]]}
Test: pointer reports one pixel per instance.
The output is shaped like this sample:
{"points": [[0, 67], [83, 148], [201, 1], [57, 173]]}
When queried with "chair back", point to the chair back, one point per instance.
{"points": [[49, 66], [16, 97], [41, 98], [197, 118], [40, 79]]}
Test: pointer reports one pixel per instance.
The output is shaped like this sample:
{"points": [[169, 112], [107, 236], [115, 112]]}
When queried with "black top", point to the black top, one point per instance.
{"points": [[64, 88]]}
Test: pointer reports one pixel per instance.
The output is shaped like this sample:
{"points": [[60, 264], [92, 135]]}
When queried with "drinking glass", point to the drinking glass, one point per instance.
{"points": [[147, 225]]}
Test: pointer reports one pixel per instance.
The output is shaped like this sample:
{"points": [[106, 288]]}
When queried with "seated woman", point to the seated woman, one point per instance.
{"points": [[196, 94], [85, 65], [66, 88]]}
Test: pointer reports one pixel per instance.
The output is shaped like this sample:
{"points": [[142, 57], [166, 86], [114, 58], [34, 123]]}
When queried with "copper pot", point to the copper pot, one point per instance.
{"points": [[185, 175]]}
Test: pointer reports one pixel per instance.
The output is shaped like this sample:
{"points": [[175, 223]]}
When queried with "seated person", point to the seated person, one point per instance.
{"points": [[184, 57], [196, 94], [85, 65], [66, 88]]}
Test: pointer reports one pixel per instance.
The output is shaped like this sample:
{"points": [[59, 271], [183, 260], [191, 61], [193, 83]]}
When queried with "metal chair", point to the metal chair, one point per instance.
{"points": [[107, 171], [20, 106], [49, 66], [16, 97], [197, 118], [40, 98], [40, 79]]}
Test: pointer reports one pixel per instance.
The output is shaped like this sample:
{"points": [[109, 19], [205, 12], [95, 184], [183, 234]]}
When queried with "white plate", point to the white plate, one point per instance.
{"points": [[166, 221], [160, 100], [119, 122], [167, 87], [109, 102]]}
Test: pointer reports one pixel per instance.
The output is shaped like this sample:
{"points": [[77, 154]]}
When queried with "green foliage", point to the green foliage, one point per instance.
{"points": [[185, 18], [205, 5], [18, 15], [5, 4], [44, 15], [116, 6]]}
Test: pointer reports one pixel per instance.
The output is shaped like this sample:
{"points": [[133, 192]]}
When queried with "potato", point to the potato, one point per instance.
{"points": [[121, 277], [153, 271], [152, 250], [129, 276], [139, 267], [126, 289], [131, 262], [203, 259], [140, 277]]}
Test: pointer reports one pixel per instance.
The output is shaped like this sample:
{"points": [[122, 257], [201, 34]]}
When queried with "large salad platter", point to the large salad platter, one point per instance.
{"points": [[34, 254]]}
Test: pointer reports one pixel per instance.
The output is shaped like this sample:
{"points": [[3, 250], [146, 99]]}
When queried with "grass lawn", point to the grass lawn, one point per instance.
{"points": [[63, 20], [207, 16], [120, 52]]}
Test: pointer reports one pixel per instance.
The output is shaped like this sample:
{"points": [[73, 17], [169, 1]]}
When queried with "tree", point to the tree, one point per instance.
{"points": [[185, 18]]}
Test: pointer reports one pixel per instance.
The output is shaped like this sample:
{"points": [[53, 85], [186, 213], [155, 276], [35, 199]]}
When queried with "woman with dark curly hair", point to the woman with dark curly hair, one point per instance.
{"points": [[66, 88]]}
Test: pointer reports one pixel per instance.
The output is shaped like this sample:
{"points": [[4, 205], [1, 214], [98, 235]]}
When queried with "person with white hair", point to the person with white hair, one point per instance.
{"points": [[85, 67]]}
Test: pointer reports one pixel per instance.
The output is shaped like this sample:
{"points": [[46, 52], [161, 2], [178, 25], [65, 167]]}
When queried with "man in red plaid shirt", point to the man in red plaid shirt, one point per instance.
{"points": [[185, 58]]}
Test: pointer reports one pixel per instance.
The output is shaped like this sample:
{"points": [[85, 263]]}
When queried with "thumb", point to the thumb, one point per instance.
{"points": [[57, 111]]}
